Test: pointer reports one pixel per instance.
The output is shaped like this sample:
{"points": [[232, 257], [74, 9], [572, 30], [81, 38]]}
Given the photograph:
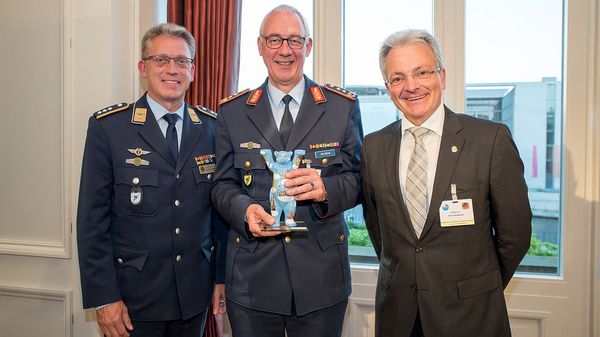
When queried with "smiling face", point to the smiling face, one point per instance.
{"points": [[417, 99], [285, 65], [167, 84]]}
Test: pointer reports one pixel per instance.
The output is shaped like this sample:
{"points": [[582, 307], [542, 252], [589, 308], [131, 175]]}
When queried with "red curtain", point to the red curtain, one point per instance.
{"points": [[215, 25]]}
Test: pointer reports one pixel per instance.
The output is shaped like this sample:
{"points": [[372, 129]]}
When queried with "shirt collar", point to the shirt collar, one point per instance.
{"points": [[159, 110], [276, 95], [435, 122]]}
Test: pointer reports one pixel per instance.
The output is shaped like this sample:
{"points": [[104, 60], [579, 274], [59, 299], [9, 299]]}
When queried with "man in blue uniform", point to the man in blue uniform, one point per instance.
{"points": [[147, 235], [293, 282]]}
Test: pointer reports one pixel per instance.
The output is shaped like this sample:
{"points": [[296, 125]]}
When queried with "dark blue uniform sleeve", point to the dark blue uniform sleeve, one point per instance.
{"points": [[98, 276]]}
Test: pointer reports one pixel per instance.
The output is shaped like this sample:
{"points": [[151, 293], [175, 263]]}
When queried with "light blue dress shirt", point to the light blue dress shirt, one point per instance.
{"points": [[277, 104], [159, 111]]}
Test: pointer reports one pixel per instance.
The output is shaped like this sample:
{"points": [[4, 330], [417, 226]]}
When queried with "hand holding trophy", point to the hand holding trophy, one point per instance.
{"points": [[280, 202]]}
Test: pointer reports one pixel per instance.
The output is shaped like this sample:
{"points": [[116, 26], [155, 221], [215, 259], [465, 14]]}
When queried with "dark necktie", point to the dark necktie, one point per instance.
{"points": [[171, 136], [287, 121]]}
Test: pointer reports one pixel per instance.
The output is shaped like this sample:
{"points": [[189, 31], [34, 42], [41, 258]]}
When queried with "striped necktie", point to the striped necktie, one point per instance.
{"points": [[416, 181]]}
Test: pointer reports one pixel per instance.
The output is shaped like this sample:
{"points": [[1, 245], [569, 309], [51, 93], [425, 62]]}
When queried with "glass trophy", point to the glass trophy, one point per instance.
{"points": [[282, 204]]}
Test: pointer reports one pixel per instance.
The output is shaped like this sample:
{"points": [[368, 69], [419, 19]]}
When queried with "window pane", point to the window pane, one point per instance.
{"points": [[252, 68], [363, 76], [513, 62]]}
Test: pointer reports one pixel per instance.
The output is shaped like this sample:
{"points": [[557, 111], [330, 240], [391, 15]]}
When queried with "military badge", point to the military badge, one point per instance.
{"points": [[250, 145], [205, 159], [325, 153], [110, 110], [341, 91], [138, 151], [248, 179], [137, 161], [139, 115], [232, 97], [193, 116], [135, 196], [207, 168], [317, 95], [206, 111], [254, 97], [324, 145]]}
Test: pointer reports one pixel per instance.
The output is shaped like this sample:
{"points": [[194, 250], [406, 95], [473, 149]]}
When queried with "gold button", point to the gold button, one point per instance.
{"points": [[178, 258], [237, 239], [247, 164], [342, 237], [324, 161], [287, 239], [119, 260]]}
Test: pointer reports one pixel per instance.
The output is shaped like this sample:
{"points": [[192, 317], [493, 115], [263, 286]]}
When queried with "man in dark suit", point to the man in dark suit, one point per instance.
{"points": [[147, 235], [294, 282], [445, 204]]}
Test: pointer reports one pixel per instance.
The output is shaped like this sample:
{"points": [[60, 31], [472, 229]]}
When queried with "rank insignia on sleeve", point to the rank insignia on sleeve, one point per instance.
{"points": [[193, 116], [317, 94], [341, 91], [110, 110], [254, 97], [206, 111], [232, 97], [139, 116]]}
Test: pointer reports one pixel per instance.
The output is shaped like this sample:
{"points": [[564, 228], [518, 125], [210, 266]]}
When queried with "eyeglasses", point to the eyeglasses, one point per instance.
{"points": [[163, 60], [276, 41], [419, 75]]}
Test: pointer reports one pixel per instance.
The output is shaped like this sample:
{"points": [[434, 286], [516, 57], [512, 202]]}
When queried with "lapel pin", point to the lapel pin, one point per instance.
{"points": [[454, 148]]}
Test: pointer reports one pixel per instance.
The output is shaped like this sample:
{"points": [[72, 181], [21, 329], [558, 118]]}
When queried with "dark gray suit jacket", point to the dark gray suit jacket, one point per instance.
{"points": [[453, 276]]}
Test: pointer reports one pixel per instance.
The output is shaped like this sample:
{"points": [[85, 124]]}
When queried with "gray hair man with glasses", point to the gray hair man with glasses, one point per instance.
{"points": [[294, 283], [147, 235], [445, 204]]}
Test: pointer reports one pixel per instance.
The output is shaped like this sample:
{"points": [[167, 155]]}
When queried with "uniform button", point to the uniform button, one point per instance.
{"points": [[287, 239], [413, 287], [176, 203], [419, 250], [177, 230], [209, 176], [212, 248], [247, 164], [237, 240], [324, 161], [135, 180], [178, 258], [342, 237], [177, 176], [119, 260]]}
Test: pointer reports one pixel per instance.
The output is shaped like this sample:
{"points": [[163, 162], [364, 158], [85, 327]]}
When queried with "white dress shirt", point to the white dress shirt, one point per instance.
{"points": [[435, 124]]}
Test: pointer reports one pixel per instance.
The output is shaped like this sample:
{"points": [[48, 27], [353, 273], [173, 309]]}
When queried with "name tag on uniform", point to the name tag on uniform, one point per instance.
{"points": [[456, 212]]}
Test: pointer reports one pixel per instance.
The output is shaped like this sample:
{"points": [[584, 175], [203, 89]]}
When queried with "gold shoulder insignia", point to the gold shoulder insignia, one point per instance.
{"points": [[232, 97], [206, 111], [110, 110], [341, 91]]}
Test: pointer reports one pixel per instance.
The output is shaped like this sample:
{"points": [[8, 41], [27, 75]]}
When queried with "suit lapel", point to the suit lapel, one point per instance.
{"points": [[447, 160], [191, 134], [262, 117], [308, 115], [151, 133]]}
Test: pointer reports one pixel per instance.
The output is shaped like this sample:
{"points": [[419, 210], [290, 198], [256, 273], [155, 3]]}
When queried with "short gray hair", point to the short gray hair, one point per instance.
{"points": [[169, 29], [405, 36], [286, 8]]}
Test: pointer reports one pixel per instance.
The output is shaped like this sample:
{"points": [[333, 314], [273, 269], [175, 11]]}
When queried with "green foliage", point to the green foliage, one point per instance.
{"points": [[359, 237], [355, 225], [542, 248]]}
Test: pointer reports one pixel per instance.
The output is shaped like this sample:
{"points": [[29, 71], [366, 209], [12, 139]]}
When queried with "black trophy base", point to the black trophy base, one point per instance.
{"points": [[283, 228]]}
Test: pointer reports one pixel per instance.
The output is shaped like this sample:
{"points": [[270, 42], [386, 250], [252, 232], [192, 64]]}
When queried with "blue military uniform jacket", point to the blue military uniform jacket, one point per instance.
{"points": [[146, 230], [264, 273]]}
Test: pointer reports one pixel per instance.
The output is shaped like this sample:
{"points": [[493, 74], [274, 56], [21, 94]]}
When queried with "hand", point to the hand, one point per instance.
{"points": [[219, 301], [305, 184], [114, 320], [255, 215]]}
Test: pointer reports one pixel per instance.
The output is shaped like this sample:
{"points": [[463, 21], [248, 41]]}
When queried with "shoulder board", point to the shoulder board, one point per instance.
{"points": [[206, 111], [232, 97], [110, 110], [341, 91]]}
